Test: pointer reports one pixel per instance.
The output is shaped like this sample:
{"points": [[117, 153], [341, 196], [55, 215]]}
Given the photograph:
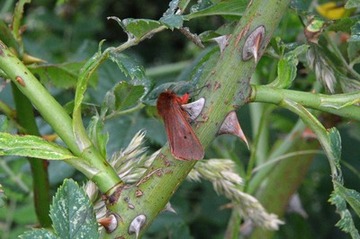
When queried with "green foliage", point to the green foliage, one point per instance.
{"points": [[287, 67], [115, 99], [32, 146], [62, 76], [72, 215], [223, 8], [352, 4], [139, 27]]}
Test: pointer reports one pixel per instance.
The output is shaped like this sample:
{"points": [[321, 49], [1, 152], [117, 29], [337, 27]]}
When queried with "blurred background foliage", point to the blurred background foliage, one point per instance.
{"points": [[69, 31]]}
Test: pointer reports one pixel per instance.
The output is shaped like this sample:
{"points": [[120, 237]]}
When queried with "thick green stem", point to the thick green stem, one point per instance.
{"points": [[227, 89], [26, 119], [335, 104], [49, 108], [89, 162]]}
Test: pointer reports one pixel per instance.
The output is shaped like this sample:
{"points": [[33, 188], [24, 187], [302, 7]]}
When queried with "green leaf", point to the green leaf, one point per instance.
{"points": [[32, 146], [7, 37], [140, 27], [61, 75], [287, 67], [97, 134], [346, 222], [122, 99], [343, 24], [286, 72], [172, 21], [300, 5], [351, 196], [86, 72], [72, 213], [130, 67], [39, 234], [173, 5], [223, 8], [354, 42], [17, 17], [352, 4], [335, 144], [127, 95]]}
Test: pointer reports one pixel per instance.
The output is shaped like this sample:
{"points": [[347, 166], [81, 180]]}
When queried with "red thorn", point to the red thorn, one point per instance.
{"points": [[109, 223]]}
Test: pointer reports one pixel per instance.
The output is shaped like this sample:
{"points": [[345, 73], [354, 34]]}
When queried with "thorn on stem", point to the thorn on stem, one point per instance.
{"points": [[110, 223], [194, 108], [253, 44], [136, 224], [232, 126]]}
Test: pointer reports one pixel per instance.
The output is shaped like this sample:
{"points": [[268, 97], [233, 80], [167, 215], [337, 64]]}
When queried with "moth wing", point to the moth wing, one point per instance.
{"points": [[184, 144]]}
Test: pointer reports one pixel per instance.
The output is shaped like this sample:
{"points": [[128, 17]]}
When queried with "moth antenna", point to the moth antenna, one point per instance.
{"points": [[110, 223], [232, 126], [194, 108], [136, 224]]}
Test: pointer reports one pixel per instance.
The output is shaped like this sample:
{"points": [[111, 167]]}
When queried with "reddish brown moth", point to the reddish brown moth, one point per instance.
{"points": [[184, 144]]}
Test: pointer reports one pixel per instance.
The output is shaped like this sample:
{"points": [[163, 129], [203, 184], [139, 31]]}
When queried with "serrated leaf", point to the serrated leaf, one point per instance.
{"points": [[351, 196], [173, 5], [352, 4], [129, 66], [346, 222], [355, 32], [61, 75], [72, 213], [32, 146], [223, 8], [140, 27], [335, 143], [172, 21], [39, 234]]}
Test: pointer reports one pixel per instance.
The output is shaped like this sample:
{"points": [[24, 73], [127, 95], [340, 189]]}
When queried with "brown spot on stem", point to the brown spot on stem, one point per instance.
{"points": [[217, 85], [20, 81], [242, 33], [114, 197], [138, 193], [148, 176]]}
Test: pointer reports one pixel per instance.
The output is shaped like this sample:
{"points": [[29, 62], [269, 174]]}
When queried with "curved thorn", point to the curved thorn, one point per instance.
{"points": [[232, 126], [194, 108], [137, 224]]}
